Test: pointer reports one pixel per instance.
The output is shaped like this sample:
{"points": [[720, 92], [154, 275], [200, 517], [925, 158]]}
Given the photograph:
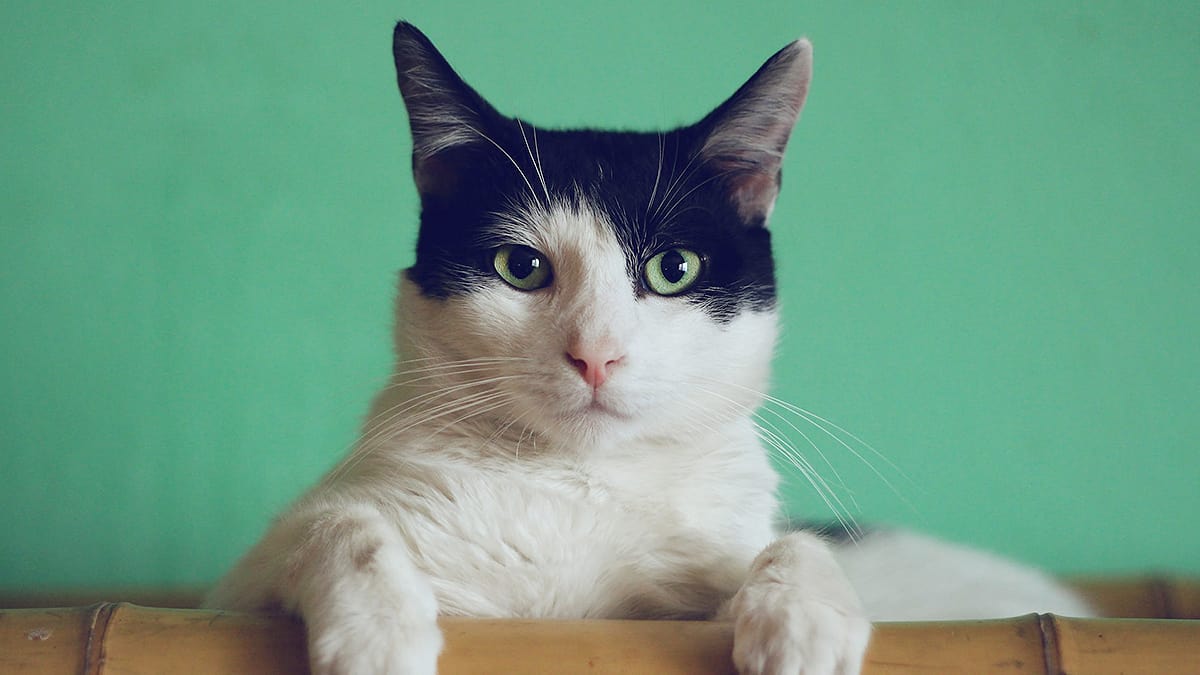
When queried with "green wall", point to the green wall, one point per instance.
{"points": [[988, 236]]}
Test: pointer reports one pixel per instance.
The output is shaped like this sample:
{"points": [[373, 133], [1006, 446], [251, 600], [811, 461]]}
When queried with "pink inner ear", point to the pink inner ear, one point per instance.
{"points": [[754, 193]]}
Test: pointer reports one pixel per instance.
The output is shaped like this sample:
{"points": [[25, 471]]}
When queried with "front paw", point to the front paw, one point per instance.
{"points": [[373, 644], [798, 614]]}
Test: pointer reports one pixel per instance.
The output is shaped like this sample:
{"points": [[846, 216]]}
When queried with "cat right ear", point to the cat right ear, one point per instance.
{"points": [[443, 111], [746, 135]]}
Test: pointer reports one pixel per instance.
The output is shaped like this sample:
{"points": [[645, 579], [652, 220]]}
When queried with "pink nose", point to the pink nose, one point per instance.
{"points": [[594, 364]]}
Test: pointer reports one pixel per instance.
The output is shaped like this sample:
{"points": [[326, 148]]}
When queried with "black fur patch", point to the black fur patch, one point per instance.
{"points": [[654, 187], [616, 172]]}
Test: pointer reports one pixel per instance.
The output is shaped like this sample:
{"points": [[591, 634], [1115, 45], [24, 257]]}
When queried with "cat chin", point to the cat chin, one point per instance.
{"points": [[590, 427]]}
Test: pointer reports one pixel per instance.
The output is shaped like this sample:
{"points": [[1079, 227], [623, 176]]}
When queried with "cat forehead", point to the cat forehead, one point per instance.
{"points": [[553, 224], [563, 189], [649, 188]]}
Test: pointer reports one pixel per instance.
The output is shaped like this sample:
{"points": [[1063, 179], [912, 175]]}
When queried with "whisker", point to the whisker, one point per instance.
{"points": [[816, 448], [453, 368], [503, 399], [532, 192], [537, 164], [825, 425], [676, 180], [679, 200], [841, 482], [442, 364], [770, 435], [501, 430], [384, 417], [828, 428], [658, 174], [447, 374], [367, 449], [372, 432], [834, 503], [371, 438]]}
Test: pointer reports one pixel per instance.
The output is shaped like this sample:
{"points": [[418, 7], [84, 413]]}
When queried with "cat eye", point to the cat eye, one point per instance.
{"points": [[522, 267], [673, 271]]}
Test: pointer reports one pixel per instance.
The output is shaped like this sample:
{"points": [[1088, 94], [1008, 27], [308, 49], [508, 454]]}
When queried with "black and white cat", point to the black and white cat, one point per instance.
{"points": [[580, 347]]}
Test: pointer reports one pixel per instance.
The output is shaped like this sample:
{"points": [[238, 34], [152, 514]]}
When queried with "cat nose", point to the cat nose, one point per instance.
{"points": [[594, 363]]}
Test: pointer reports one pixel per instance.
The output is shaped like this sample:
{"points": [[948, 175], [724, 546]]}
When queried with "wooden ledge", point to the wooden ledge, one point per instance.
{"points": [[1131, 597], [126, 638]]}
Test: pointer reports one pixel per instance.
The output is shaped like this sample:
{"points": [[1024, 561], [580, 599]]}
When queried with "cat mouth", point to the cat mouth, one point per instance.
{"points": [[583, 409], [597, 410]]}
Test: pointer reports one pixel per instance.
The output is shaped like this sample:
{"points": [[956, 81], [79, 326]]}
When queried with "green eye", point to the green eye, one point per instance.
{"points": [[673, 271], [522, 267]]}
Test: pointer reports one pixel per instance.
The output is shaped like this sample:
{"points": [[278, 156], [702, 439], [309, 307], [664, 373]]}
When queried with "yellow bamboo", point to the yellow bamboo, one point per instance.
{"points": [[1116, 647], [1146, 597], [127, 639]]}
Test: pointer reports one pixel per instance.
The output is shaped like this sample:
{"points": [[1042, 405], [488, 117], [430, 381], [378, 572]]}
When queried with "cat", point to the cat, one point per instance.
{"points": [[581, 343]]}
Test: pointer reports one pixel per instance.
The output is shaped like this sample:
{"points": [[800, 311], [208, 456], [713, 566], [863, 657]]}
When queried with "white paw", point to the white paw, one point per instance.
{"points": [[797, 614], [374, 644], [367, 607]]}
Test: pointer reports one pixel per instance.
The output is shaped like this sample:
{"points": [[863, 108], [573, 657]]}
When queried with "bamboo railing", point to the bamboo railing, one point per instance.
{"points": [[127, 639]]}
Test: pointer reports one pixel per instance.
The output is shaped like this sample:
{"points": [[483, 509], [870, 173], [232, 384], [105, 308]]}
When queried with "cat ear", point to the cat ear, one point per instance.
{"points": [[443, 111], [746, 135]]}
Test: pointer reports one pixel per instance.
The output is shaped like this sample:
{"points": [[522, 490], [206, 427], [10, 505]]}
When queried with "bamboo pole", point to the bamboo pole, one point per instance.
{"points": [[1138, 597], [127, 639], [1116, 647]]}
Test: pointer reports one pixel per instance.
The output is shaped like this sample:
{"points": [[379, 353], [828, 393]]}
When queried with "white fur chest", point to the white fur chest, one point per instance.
{"points": [[645, 533]]}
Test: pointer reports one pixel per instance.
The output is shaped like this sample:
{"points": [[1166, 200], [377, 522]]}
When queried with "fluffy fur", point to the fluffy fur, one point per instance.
{"points": [[586, 448]]}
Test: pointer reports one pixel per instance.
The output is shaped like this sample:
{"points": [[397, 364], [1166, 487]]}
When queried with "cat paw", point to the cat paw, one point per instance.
{"points": [[798, 614], [373, 644]]}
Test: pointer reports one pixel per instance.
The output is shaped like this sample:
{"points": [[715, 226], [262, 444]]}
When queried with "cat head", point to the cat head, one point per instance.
{"points": [[589, 286]]}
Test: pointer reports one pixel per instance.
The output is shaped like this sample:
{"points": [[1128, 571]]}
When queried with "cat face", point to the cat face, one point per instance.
{"points": [[588, 287]]}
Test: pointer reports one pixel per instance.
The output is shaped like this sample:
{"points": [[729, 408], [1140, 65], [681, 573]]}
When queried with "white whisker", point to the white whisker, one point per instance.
{"points": [[383, 425], [776, 440], [503, 429], [679, 200], [657, 174], [532, 192], [816, 448], [828, 428], [834, 503], [677, 183], [674, 179], [537, 163], [495, 401]]}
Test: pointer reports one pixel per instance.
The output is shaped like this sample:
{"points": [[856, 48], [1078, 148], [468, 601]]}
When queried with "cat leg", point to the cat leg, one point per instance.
{"points": [[797, 613], [367, 608]]}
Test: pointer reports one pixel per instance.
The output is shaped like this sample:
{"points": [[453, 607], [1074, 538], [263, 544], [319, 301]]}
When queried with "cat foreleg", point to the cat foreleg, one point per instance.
{"points": [[367, 608], [797, 613]]}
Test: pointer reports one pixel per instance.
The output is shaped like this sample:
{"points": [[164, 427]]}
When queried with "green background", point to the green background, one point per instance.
{"points": [[987, 239]]}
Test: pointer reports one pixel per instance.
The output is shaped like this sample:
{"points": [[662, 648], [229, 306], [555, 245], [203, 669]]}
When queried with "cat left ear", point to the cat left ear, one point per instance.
{"points": [[746, 135], [444, 112]]}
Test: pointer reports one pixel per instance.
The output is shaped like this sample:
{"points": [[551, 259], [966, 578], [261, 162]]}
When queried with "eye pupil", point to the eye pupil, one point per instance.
{"points": [[523, 262], [674, 266]]}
